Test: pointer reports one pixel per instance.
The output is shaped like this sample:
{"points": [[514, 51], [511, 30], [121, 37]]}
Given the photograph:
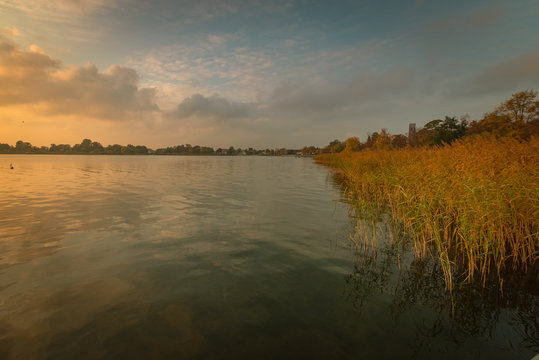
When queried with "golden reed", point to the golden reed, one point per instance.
{"points": [[475, 202]]}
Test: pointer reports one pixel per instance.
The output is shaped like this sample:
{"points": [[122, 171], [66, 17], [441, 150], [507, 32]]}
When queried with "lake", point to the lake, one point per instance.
{"points": [[179, 257]]}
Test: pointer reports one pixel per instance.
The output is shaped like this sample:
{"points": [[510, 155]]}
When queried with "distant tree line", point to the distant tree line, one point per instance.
{"points": [[188, 149], [517, 117], [87, 146], [90, 147]]}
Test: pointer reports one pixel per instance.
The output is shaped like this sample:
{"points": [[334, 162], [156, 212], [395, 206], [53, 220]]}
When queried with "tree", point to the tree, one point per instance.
{"points": [[449, 130], [96, 148], [336, 146], [399, 141], [352, 144], [5, 148], [427, 135], [499, 125], [382, 141], [115, 149], [61, 148], [141, 149], [23, 147], [85, 146], [438, 132], [371, 139], [309, 150], [516, 117], [521, 107]]}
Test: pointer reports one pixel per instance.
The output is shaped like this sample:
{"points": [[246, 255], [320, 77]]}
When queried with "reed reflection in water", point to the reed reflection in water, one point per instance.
{"points": [[465, 318]]}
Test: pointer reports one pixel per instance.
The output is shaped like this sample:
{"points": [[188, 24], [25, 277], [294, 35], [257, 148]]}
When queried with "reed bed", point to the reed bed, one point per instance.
{"points": [[473, 204]]}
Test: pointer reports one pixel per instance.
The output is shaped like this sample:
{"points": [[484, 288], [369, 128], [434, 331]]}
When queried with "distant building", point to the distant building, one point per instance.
{"points": [[411, 133]]}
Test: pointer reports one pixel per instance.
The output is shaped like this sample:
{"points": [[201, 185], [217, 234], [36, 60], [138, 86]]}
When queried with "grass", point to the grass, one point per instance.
{"points": [[473, 204]]}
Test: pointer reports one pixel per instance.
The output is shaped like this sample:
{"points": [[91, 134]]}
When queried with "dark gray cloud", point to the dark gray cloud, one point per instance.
{"points": [[476, 19], [327, 96], [214, 107], [521, 71], [441, 38]]}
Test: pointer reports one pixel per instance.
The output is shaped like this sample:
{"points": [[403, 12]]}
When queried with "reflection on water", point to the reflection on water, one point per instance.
{"points": [[215, 258], [482, 312], [470, 311]]}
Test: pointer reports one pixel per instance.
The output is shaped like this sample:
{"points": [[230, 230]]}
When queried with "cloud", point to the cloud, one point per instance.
{"points": [[325, 96], [203, 10], [507, 75], [76, 20], [443, 37], [39, 83], [59, 9], [9, 31], [298, 109], [36, 49], [217, 40], [194, 11], [318, 97], [235, 71], [214, 107], [476, 19]]}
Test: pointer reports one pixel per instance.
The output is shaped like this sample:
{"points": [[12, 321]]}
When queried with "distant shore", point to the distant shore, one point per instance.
{"points": [[89, 147]]}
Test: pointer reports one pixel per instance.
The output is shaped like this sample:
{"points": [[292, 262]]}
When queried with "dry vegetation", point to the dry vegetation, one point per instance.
{"points": [[474, 204]]}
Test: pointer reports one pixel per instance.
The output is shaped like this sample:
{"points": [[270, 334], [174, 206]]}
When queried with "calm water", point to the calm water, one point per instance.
{"points": [[217, 258]]}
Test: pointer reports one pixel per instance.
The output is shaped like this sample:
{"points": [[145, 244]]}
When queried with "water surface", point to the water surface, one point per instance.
{"points": [[217, 258]]}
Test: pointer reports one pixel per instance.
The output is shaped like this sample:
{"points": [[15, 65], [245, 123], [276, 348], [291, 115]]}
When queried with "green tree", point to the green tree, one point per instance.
{"points": [[449, 130], [23, 147], [96, 148], [115, 149], [85, 146], [5, 148]]}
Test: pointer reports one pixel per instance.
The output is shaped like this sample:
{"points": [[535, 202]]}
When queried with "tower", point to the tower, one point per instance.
{"points": [[411, 133]]}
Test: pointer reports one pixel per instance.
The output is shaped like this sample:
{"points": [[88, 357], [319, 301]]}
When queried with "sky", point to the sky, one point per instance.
{"points": [[254, 73]]}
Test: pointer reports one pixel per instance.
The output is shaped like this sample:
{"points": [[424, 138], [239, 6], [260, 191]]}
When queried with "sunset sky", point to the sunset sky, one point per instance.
{"points": [[254, 73]]}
